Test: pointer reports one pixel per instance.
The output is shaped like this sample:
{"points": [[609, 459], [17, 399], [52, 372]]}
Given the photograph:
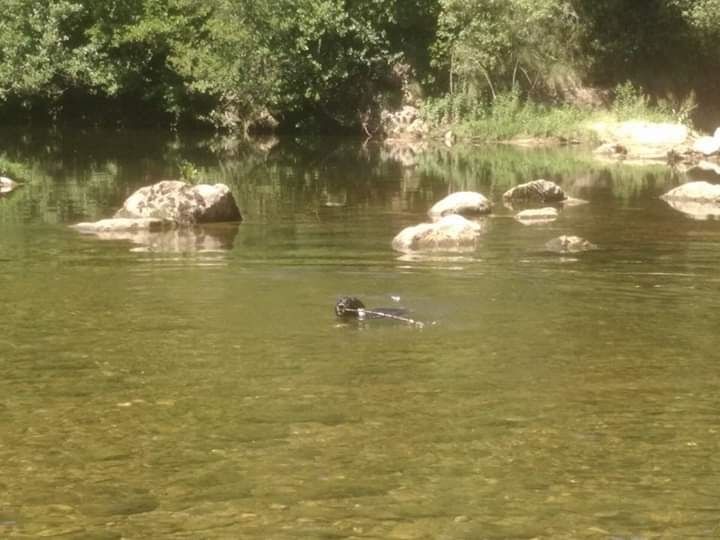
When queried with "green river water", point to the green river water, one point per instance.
{"points": [[201, 387]]}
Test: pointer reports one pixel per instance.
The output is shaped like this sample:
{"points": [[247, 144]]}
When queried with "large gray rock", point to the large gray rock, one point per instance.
{"points": [[537, 191], [450, 233], [6, 185], [569, 244], [182, 203], [465, 203], [698, 200]]}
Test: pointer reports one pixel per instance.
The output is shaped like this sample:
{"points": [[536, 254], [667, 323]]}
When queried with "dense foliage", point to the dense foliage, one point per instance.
{"points": [[333, 64]]}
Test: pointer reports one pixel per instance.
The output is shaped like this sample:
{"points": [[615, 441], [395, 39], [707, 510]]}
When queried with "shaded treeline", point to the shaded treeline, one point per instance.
{"points": [[331, 65]]}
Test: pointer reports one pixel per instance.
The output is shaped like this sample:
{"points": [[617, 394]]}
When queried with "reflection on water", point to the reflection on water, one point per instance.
{"points": [[183, 393], [695, 209], [196, 239]]}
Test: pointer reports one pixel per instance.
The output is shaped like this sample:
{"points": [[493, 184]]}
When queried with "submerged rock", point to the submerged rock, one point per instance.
{"points": [[120, 225], [450, 233], [572, 201], [694, 191], [569, 244], [538, 191], [537, 216], [465, 203], [7, 185], [696, 210], [171, 239], [182, 203], [698, 200]]}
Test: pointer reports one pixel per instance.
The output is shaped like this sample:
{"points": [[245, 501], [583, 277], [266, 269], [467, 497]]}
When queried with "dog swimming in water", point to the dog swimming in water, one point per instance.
{"points": [[351, 308]]}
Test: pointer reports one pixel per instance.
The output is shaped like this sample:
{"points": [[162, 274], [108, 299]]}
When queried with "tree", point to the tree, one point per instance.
{"points": [[495, 46]]}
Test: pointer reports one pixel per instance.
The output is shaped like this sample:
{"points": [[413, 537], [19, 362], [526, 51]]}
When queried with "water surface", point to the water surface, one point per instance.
{"points": [[202, 388]]}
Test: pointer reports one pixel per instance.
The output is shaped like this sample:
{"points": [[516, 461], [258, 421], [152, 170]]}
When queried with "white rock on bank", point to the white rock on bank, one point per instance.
{"points": [[642, 133], [707, 145]]}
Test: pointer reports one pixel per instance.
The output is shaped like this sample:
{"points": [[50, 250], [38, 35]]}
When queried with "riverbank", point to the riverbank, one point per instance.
{"points": [[509, 117]]}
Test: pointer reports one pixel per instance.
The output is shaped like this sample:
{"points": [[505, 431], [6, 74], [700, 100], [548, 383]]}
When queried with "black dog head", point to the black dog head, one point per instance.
{"points": [[348, 306]]}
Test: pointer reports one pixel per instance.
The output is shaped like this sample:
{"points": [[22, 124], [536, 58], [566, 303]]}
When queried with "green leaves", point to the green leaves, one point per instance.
{"points": [[336, 61], [497, 45]]}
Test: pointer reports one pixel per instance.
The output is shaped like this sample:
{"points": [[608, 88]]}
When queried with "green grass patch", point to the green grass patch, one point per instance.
{"points": [[510, 116]]}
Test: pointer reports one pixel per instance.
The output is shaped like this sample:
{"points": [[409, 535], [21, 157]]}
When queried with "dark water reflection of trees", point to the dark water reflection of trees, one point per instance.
{"points": [[85, 175]]}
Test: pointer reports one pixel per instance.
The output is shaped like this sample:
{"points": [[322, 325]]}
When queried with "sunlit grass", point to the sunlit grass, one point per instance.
{"points": [[510, 116]]}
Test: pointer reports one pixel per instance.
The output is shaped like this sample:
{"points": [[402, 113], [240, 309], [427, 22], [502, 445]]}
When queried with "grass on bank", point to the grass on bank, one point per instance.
{"points": [[510, 116]]}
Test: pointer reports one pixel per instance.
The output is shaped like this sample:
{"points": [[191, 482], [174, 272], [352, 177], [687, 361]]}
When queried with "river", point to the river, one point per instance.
{"points": [[201, 387]]}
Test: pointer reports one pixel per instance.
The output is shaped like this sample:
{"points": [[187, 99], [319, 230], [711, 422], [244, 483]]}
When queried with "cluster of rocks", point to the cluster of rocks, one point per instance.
{"points": [[405, 123], [7, 185], [701, 161], [637, 141], [642, 142], [457, 221], [168, 214]]}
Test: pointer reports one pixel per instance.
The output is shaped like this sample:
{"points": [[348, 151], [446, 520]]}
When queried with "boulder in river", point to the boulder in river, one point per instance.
{"points": [[450, 233], [465, 203], [699, 200], [182, 203], [535, 192], [537, 216], [569, 244], [696, 192]]}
